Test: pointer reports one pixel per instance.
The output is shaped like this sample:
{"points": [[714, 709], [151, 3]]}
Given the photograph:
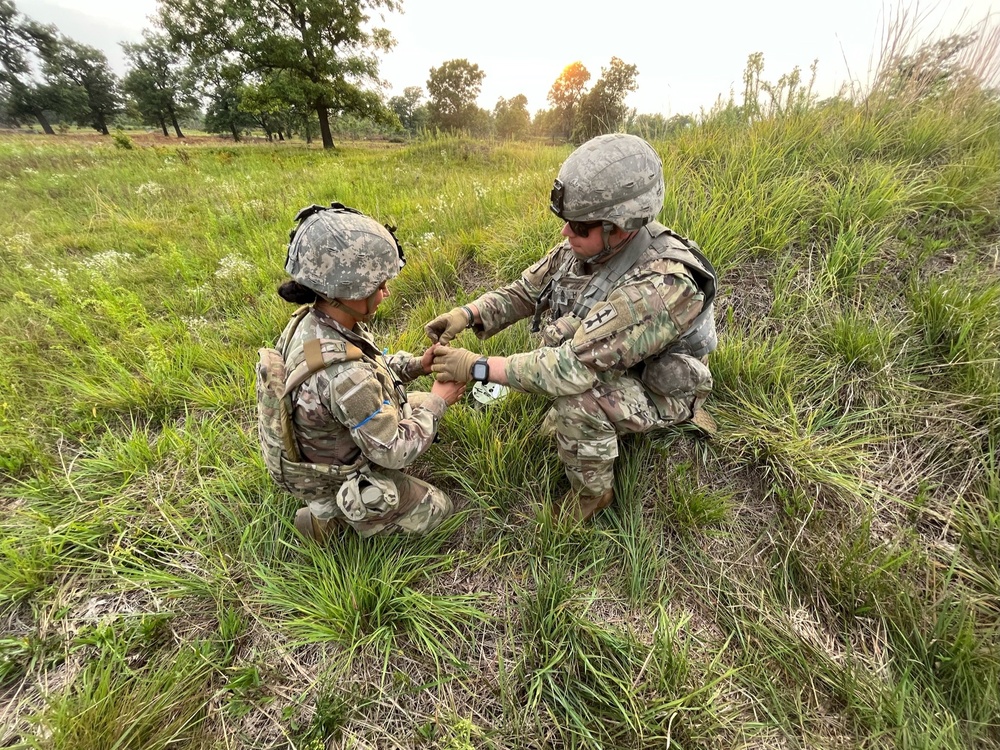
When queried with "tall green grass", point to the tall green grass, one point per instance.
{"points": [[822, 573]]}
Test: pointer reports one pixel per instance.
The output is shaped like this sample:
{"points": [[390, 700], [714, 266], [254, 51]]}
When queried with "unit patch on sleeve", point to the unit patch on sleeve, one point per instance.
{"points": [[603, 316]]}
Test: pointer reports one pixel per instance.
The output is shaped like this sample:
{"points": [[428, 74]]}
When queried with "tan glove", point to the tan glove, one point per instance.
{"points": [[445, 327], [454, 364]]}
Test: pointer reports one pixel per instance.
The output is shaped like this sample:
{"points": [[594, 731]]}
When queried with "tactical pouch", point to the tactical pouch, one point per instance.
{"points": [[560, 330], [367, 497], [677, 376]]}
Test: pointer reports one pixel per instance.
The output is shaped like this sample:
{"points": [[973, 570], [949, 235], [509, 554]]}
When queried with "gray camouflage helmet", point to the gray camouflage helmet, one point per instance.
{"points": [[616, 178], [340, 253]]}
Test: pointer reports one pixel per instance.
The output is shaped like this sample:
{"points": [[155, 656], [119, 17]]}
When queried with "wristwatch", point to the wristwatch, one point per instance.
{"points": [[481, 370]]}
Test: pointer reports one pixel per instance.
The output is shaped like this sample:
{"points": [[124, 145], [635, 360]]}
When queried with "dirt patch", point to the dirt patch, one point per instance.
{"points": [[746, 291]]}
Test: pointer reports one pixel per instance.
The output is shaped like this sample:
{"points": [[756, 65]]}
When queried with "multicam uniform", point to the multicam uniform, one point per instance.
{"points": [[592, 367], [357, 408]]}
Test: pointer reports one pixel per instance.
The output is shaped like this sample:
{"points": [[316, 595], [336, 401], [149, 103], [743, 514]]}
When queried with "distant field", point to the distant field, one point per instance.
{"points": [[824, 573]]}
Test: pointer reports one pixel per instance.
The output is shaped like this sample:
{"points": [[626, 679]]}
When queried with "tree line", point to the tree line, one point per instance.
{"points": [[286, 68]]}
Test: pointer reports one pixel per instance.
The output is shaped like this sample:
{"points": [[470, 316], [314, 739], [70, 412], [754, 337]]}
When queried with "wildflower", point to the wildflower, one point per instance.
{"points": [[106, 261], [233, 266], [195, 324], [149, 188], [16, 243], [57, 275]]}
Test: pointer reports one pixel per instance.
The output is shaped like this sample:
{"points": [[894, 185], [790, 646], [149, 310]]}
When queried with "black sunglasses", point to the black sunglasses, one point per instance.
{"points": [[582, 228]]}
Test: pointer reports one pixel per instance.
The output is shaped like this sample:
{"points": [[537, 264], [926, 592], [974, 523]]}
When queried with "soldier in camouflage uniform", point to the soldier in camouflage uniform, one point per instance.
{"points": [[352, 410], [627, 312]]}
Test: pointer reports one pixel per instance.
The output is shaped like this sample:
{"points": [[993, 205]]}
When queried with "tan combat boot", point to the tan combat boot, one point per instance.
{"points": [[312, 528], [579, 507]]}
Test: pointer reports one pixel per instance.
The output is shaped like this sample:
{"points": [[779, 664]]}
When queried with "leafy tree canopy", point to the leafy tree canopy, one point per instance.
{"points": [[453, 90], [566, 92], [160, 84], [511, 116], [326, 45], [602, 109]]}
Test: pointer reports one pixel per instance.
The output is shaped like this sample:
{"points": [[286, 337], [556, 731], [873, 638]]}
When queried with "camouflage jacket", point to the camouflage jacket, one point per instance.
{"points": [[646, 310], [359, 406]]}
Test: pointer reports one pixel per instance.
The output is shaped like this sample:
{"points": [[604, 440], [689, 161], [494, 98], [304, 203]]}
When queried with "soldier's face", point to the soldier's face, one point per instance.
{"points": [[361, 305], [584, 246]]}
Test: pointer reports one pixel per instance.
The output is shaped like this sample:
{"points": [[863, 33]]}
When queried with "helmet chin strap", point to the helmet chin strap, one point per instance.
{"points": [[606, 229], [365, 317]]}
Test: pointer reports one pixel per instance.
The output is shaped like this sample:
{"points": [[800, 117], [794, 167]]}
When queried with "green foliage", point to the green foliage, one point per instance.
{"points": [[602, 109], [565, 96], [821, 573], [122, 141], [453, 88], [114, 704], [324, 49]]}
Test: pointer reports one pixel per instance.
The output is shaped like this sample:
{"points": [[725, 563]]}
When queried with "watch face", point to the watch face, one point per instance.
{"points": [[480, 371]]}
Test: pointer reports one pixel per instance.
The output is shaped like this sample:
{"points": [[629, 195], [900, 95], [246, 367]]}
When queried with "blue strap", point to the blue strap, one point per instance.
{"points": [[370, 416]]}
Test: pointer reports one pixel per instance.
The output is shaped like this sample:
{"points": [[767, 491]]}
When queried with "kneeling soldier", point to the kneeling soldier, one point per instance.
{"points": [[628, 318]]}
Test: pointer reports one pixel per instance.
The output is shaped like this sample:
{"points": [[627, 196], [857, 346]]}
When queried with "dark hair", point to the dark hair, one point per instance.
{"points": [[293, 291]]}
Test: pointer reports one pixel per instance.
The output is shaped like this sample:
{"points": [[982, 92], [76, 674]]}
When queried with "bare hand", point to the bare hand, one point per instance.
{"points": [[427, 358], [449, 390]]}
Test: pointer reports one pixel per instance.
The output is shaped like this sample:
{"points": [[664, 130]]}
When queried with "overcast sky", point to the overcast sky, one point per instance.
{"points": [[687, 53]]}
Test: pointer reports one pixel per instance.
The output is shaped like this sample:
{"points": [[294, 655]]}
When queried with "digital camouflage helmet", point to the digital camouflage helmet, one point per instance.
{"points": [[615, 178], [340, 253]]}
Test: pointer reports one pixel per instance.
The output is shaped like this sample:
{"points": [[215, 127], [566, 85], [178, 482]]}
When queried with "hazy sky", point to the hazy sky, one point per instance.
{"points": [[687, 53]]}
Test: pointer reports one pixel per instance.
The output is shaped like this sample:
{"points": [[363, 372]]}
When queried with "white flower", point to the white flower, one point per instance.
{"points": [[16, 243], [106, 261], [149, 188], [195, 325], [233, 266]]}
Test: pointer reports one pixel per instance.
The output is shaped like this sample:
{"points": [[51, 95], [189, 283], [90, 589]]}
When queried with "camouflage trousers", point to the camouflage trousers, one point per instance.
{"points": [[423, 505], [586, 427], [426, 507]]}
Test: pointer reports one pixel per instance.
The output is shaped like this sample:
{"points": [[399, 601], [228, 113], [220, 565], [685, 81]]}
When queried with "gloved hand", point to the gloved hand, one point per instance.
{"points": [[454, 363], [445, 327]]}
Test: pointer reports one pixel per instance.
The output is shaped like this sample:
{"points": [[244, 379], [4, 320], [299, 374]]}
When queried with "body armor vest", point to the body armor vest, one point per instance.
{"points": [[569, 297]]}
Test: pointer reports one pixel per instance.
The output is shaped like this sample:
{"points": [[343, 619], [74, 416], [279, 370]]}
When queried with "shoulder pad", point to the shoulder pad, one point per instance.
{"points": [[318, 355]]}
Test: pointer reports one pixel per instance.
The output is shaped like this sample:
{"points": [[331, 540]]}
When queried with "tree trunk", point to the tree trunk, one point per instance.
{"points": [[163, 126], [173, 121], [44, 122], [102, 125], [281, 136], [235, 131], [307, 127], [324, 125]]}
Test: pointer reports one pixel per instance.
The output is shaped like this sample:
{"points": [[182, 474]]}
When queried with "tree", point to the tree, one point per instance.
{"points": [[224, 112], [511, 116], [160, 84], [602, 109], [413, 115], [83, 75], [22, 43], [453, 89], [326, 46], [566, 92]]}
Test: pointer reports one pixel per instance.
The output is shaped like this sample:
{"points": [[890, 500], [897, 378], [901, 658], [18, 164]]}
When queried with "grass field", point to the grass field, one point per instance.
{"points": [[824, 573]]}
